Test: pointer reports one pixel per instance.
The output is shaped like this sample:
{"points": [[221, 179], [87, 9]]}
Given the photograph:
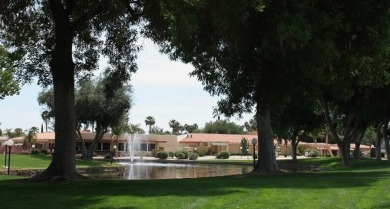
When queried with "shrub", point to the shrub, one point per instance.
{"points": [[35, 152], [180, 155], [357, 153], [372, 152], [223, 155], [193, 156], [202, 151], [154, 152], [185, 153], [303, 147], [162, 155], [44, 151], [312, 153], [171, 154]]}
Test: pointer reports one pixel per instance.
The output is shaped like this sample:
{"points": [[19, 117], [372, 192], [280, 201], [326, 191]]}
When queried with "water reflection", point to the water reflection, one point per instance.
{"points": [[173, 171]]}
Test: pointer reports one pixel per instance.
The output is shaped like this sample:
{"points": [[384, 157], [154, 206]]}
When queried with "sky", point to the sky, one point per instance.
{"points": [[162, 89]]}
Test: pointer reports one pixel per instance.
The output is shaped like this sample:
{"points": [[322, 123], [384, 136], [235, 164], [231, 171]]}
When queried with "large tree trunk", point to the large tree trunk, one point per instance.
{"points": [[344, 150], [294, 144], [91, 149], [386, 138], [343, 145], [63, 164], [83, 147], [359, 136], [267, 158], [378, 142]]}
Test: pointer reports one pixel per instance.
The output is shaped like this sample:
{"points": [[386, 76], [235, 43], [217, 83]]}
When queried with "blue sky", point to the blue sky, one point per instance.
{"points": [[162, 89]]}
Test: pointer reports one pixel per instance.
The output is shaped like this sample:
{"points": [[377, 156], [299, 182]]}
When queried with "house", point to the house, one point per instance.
{"points": [[146, 144], [215, 142]]}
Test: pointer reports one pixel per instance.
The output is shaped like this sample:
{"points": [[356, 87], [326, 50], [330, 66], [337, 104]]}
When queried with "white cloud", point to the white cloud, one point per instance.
{"points": [[156, 69]]}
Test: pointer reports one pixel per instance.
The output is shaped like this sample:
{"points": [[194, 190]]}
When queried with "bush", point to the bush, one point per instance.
{"points": [[154, 152], [185, 153], [372, 152], [193, 156], [202, 151], [35, 152], [44, 151], [171, 154], [303, 147], [357, 153], [162, 155], [312, 153], [223, 155], [180, 155]]}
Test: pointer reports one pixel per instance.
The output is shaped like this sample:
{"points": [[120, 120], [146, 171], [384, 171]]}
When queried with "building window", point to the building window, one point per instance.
{"points": [[121, 147], [106, 146], [149, 148]]}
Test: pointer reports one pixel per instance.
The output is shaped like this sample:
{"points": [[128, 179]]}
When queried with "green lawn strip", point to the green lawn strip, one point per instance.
{"points": [[23, 161]]}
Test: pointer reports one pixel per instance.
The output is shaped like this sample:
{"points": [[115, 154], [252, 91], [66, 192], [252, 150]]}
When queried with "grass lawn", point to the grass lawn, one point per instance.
{"points": [[366, 185], [23, 161]]}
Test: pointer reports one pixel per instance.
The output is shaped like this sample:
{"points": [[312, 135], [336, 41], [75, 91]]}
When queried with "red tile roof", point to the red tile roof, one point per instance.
{"points": [[231, 138]]}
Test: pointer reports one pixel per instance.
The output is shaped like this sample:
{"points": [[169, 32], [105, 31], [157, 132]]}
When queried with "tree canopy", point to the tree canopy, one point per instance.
{"points": [[57, 41], [254, 53], [249, 52], [8, 85], [223, 127]]}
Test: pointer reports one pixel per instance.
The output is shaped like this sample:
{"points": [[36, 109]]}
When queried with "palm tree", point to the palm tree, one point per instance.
{"points": [[136, 129], [31, 136], [46, 117], [149, 122]]}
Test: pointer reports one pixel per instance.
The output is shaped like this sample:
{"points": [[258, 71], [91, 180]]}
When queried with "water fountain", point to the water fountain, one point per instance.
{"points": [[133, 145]]}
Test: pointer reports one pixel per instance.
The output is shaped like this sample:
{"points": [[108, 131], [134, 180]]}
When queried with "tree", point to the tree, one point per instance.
{"points": [[190, 128], [46, 117], [16, 133], [254, 52], [30, 137], [8, 85], [298, 115], [349, 80], [175, 125], [58, 40], [136, 129], [251, 52], [223, 127], [251, 125], [157, 130], [150, 122], [104, 103]]}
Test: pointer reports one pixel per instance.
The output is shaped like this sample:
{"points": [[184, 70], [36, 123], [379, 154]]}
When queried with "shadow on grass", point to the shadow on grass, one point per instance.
{"points": [[91, 192]]}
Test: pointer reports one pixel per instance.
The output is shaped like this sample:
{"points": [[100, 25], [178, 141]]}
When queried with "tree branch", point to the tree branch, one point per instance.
{"points": [[325, 107]]}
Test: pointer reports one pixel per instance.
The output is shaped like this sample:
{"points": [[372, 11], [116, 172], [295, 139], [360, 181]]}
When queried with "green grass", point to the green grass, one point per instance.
{"points": [[365, 185], [23, 161]]}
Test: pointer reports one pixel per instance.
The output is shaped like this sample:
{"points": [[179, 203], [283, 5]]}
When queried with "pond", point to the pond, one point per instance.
{"points": [[150, 170]]}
